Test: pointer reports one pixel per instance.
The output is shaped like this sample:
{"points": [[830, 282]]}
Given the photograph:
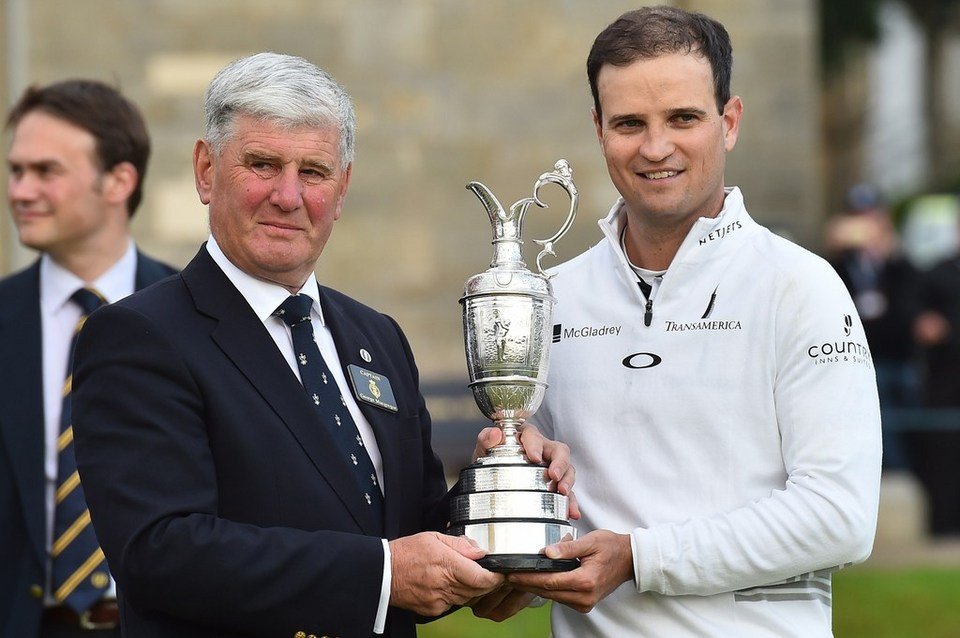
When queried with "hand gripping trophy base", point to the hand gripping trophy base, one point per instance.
{"points": [[508, 507], [506, 504]]}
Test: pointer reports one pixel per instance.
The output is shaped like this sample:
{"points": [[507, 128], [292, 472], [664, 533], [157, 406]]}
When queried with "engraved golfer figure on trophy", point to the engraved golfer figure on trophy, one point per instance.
{"points": [[500, 329], [506, 503]]}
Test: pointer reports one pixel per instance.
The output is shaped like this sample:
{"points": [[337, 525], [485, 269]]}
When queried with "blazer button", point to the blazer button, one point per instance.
{"points": [[300, 634], [36, 591]]}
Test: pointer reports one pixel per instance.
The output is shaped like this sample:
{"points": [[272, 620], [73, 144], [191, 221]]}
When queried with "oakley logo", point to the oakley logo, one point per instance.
{"points": [[641, 360]]}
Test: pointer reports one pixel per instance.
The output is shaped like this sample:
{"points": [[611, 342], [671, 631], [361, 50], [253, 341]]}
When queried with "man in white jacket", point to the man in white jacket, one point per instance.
{"points": [[712, 379]]}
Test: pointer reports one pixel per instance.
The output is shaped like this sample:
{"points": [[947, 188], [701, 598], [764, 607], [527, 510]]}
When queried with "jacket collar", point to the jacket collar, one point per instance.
{"points": [[704, 241]]}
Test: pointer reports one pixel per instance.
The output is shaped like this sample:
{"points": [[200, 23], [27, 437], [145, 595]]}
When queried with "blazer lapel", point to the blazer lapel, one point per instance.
{"points": [[349, 341], [21, 394], [243, 339]]}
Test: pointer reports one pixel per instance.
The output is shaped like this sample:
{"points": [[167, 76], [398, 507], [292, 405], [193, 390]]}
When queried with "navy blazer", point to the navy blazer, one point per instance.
{"points": [[23, 553], [216, 493]]}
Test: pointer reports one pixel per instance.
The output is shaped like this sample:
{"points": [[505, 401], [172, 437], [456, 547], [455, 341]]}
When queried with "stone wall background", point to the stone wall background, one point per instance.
{"points": [[446, 91]]}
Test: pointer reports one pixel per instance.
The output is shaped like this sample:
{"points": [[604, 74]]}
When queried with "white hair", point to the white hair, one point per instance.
{"points": [[284, 89]]}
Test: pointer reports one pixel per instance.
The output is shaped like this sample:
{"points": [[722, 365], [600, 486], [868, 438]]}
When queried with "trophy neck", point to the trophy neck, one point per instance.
{"points": [[510, 451], [507, 254]]}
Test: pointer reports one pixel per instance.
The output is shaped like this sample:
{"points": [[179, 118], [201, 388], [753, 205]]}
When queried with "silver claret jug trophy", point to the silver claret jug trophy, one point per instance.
{"points": [[506, 503]]}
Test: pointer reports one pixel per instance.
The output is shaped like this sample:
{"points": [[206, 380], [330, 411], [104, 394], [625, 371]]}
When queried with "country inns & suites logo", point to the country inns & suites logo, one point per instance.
{"points": [[841, 351]]}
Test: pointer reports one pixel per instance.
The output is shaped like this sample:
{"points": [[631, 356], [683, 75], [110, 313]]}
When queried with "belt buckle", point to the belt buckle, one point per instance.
{"points": [[86, 623]]}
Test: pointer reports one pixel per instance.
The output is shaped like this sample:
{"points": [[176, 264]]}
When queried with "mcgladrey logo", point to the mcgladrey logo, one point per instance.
{"points": [[581, 332]]}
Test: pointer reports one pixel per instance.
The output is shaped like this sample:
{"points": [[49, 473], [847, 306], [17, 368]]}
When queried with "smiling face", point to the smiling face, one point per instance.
{"points": [[54, 186], [663, 140], [274, 193]]}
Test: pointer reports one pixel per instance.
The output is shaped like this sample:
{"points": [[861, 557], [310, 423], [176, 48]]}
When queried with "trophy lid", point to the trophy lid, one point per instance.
{"points": [[507, 273]]}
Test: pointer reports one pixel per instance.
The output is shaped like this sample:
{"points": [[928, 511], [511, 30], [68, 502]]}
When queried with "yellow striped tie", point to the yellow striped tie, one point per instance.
{"points": [[79, 568]]}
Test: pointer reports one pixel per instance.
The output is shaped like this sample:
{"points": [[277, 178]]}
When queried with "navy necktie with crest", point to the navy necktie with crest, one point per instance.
{"points": [[331, 408]]}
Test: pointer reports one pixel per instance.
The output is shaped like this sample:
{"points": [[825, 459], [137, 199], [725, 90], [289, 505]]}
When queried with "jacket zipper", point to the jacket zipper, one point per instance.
{"points": [[646, 290]]}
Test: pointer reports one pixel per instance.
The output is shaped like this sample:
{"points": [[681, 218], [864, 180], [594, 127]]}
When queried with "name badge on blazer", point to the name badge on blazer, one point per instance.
{"points": [[372, 388]]}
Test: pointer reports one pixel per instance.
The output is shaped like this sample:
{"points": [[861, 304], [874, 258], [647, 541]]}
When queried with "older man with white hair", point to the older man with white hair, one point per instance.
{"points": [[255, 447]]}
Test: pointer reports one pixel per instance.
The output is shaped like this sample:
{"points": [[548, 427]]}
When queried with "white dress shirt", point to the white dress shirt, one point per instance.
{"points": [[58, 320], [264, 298]]}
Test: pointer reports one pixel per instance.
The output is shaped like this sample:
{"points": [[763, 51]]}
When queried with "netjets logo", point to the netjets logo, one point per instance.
{"points": [[559, 332], [721, 232], [641, 360]]}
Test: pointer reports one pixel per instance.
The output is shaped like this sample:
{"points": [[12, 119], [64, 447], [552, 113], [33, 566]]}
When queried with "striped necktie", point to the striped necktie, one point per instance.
{"points": [[329, 404], [79, 575]]}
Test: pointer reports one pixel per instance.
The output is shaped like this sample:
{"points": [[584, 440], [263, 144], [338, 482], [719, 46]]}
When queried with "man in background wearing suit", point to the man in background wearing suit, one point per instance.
{"points": [[255, 447], [76, 163]]}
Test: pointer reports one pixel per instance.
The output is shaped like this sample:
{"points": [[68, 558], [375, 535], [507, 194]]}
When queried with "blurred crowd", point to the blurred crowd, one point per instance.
{"points": [[904, 277]]}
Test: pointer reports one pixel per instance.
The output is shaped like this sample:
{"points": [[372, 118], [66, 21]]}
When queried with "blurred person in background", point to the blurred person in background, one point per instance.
{"points": [[936, 451], [76, 163], [863, 246]]}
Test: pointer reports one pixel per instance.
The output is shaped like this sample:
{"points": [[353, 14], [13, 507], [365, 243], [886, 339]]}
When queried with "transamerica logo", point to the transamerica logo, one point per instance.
{"points": [[673, 326], [559, 332]]}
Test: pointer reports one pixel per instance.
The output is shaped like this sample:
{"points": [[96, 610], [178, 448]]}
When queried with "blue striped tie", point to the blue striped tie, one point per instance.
{"points": [[79, 567], [330, 406]]}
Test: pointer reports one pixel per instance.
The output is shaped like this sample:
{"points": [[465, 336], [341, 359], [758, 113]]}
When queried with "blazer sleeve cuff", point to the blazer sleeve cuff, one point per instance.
{"points": [[380, 622]]}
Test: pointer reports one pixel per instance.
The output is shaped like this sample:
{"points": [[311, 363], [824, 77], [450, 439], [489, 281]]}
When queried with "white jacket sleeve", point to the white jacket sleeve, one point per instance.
{"points": [[828, 417]]}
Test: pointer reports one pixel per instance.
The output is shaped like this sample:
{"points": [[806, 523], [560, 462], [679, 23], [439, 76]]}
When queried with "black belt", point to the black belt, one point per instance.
{"points": [[103, 615]]}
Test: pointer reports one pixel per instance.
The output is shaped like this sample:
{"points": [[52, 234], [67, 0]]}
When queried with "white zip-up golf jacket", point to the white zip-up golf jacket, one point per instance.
{"points": [[736, 437]]}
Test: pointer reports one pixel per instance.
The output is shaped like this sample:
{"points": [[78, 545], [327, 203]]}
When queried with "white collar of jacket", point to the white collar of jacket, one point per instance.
{"points": [[709, 238]]}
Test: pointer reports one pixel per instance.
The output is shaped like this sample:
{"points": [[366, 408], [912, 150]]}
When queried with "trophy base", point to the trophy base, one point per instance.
{"points": [[508, 507], [507, 563], [516, 546]]}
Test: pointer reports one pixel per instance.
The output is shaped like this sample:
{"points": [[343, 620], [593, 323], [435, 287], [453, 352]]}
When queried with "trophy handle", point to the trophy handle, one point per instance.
{"points": [[507, 227], [561, 175]]}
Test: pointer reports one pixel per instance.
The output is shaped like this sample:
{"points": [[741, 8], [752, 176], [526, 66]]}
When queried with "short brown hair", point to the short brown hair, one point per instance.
{"points": [[114, 122], [654, 31]]}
